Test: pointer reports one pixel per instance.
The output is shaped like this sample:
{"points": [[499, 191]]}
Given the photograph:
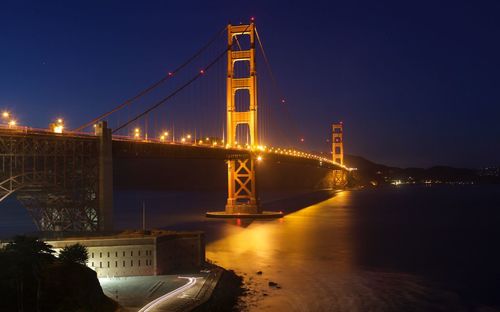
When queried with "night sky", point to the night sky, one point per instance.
{"points": [[416, 84]]}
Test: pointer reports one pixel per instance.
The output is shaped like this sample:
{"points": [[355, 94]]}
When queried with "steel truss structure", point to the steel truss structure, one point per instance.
{"points": [[55, 177]]}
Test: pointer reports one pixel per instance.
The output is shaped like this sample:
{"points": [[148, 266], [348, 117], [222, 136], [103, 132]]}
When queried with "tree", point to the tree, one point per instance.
{"points": [[76, 253], [31, 255]]}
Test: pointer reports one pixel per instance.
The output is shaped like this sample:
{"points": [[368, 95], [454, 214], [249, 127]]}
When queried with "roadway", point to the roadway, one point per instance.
{"points": [[164, 293], [128, 146]]}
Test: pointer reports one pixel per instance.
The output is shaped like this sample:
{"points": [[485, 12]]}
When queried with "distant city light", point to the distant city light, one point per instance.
{"points": [[5, 114]]}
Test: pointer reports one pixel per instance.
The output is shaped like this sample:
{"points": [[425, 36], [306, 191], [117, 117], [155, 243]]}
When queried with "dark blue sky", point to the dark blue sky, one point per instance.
{"points": [[416, 84]]}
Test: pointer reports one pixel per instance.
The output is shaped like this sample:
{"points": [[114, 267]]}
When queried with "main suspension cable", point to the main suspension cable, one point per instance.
{"points": [[276, 85], [156, 84], [198, 75]]}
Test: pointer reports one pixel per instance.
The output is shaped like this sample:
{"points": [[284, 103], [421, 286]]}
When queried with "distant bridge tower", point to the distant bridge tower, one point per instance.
{"points": [[242, 193], [339, 176]]}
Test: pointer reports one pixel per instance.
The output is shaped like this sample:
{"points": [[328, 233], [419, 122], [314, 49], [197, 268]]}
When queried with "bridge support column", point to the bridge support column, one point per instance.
{"points": [[242, 190], [339, 176], [105, 218], [242, 198]]}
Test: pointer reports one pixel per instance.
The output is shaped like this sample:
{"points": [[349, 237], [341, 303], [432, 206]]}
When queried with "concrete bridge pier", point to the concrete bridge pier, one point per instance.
{"points": [[105, 200]]}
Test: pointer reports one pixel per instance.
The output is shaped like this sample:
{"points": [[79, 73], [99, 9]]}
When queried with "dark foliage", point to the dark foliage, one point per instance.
{"points": [[76, 253], [34, 280]]}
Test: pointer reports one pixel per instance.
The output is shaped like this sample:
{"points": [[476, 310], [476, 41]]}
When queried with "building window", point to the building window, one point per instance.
{"points": [[124, 253], [100, 264], [108, 254], [131, 253], [139, 264], [100, 255], [92, 264], [108, 264], [116, 264], [131, 263], [123, 263], [92, 255], [139, 253], [116, 254]]}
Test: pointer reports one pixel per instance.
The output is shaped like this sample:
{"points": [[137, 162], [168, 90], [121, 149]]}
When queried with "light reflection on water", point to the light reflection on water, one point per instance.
{"points": [[311, 255], [371, 250]]}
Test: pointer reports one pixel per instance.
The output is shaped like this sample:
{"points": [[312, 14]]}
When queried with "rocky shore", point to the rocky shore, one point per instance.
{"points": [[225, 296]]}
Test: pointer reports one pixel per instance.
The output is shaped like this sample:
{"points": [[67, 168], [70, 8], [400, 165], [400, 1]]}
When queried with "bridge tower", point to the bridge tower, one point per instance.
{"points": [[339, 176], [242, 193]]}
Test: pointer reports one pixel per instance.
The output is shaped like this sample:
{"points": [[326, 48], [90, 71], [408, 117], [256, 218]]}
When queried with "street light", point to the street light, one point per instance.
{"points": [[58, 126]]}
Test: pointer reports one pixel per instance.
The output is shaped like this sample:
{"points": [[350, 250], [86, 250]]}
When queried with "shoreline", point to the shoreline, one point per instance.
{"points": [[226, 293]]}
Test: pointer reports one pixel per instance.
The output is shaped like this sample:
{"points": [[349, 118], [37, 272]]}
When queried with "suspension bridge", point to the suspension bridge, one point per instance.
{"points": [[64, 177]]}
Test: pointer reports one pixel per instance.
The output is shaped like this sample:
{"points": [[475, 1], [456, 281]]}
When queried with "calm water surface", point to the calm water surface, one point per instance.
{"points": [[394, 249]]}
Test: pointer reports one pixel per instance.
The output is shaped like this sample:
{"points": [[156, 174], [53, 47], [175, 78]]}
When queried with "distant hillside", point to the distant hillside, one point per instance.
{"points": [[370, 173]]}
